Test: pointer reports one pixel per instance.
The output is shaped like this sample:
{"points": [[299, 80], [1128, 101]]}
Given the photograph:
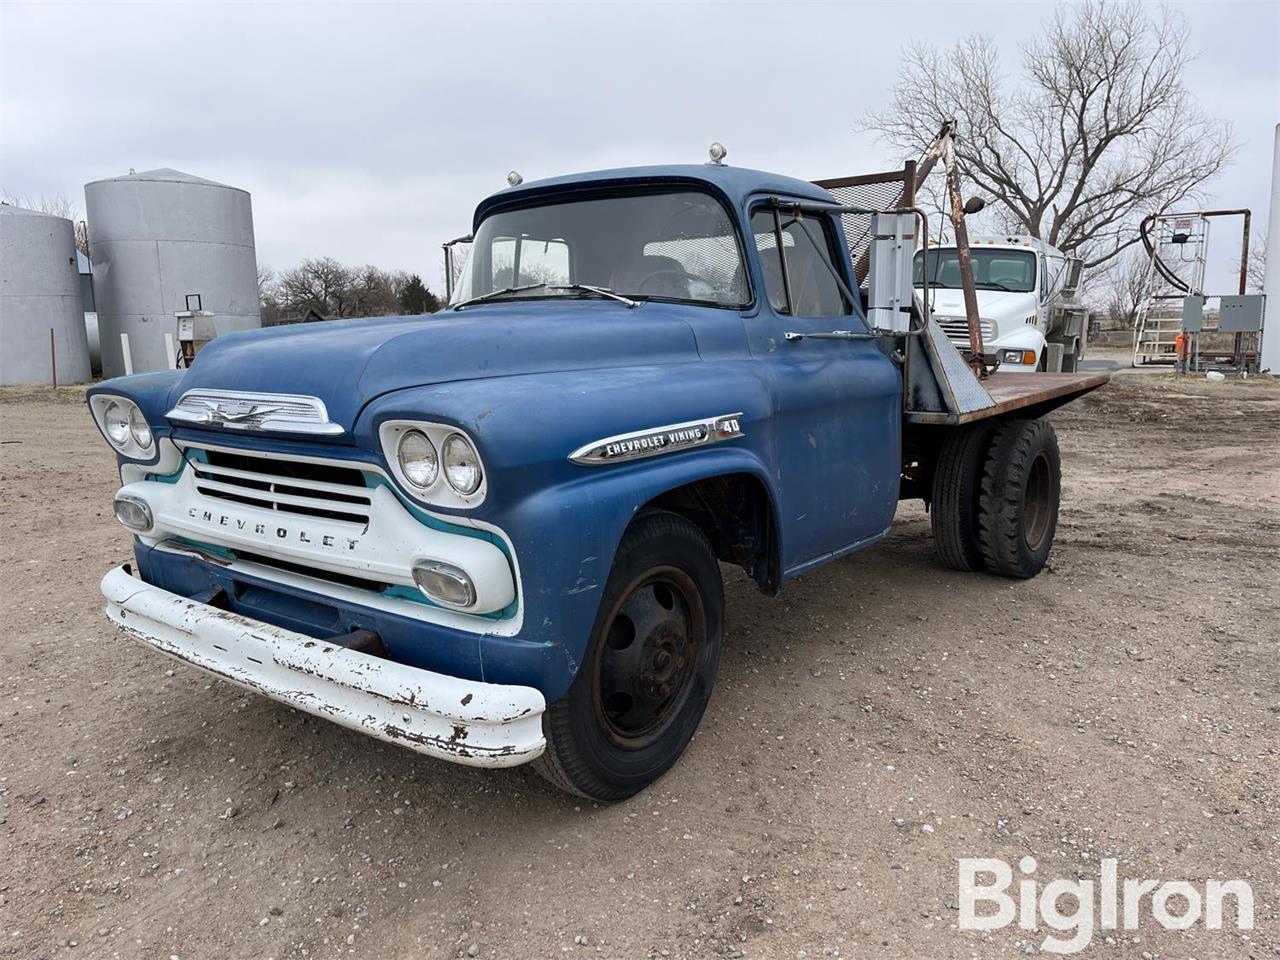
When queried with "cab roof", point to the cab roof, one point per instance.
{"points": [[735, 183]]}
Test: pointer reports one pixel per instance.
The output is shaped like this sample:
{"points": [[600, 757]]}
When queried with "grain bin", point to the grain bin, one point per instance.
{"points": [[41, 311], [155, 238]]}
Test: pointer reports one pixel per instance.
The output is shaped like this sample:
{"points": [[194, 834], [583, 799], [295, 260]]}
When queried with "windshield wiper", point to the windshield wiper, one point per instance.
{"points": [[600, 291], [494, 294]]}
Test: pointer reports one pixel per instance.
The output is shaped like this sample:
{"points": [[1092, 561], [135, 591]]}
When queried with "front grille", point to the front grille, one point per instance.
{"points": [[957, 330], [289, 486]]}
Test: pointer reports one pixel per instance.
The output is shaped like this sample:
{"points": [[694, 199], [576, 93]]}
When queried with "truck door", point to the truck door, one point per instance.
{"points": [[838, 415]]}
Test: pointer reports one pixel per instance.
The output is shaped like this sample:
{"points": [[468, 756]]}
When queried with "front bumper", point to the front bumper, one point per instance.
{"points": [[464, 721]]}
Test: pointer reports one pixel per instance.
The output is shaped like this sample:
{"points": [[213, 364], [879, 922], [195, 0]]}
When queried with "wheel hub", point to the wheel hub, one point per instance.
{"points": [[647, 660]]}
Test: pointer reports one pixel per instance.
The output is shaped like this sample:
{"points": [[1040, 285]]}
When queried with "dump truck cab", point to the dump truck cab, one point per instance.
{"points": [[494, 534], [1029, 298]]}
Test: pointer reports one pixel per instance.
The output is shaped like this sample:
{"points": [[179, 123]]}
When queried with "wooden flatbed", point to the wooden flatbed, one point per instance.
{"points": [[1041, 392]]}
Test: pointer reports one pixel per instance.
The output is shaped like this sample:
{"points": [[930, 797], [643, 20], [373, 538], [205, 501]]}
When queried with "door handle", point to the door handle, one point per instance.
{"points": [[831, 335]]}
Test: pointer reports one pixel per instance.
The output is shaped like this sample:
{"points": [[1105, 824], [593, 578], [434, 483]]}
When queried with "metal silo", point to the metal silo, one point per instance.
{"points": [[42, 337], [157, 238]]}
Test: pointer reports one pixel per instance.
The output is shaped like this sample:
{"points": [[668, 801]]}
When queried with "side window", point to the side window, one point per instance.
{"points": [[517, 261], [809, 248]]}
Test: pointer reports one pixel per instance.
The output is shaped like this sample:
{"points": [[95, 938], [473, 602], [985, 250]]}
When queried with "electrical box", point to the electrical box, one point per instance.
{"points": [[1192, 314], [1241, 314], [889, 288]]}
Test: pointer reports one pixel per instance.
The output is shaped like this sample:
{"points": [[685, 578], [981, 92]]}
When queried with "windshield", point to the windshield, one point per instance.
{"points": [[679, 246], [1013, 270]]}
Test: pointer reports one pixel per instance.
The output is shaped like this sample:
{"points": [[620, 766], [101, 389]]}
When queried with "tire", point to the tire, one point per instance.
{"points": [[1018, 506], [649, 668], [957, 486]]}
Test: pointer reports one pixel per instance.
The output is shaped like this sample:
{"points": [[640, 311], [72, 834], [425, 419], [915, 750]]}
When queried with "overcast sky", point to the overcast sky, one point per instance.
{"points": [[369, 131]]}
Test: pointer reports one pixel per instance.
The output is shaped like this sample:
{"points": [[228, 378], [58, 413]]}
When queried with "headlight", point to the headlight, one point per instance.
{"points": [[435, 463], [418, 460], [123, 424], [116, 421], [461, 465], [1023, 357], [139, 429]]}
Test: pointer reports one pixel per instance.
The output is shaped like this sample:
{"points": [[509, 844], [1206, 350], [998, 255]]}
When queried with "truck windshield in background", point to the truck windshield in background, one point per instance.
{"points": [[993, 269], [673, 246]]}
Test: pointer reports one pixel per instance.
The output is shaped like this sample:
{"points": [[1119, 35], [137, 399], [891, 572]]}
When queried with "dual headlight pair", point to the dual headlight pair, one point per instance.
{"points": [[124, 426], [421, 464]]}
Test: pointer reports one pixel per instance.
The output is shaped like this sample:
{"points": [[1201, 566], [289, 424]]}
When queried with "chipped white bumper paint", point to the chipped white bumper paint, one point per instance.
{"points": [[479, 724]]}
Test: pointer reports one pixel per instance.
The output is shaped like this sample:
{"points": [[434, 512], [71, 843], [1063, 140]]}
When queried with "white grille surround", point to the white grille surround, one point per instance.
{"points": [[320, 524], [269, 412]]}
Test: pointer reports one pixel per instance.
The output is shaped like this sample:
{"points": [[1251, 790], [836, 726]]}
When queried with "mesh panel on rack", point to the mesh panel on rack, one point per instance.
{"points": [[874, 191]]}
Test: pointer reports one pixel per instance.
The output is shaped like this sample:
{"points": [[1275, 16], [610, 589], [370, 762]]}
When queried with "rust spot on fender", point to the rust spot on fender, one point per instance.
{"points": [[467, 699]]}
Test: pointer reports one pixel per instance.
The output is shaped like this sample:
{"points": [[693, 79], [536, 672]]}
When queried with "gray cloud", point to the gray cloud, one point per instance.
{"points": [[369, 131]]}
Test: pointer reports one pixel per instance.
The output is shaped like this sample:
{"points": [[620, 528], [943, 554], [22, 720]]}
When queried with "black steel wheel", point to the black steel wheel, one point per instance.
{"points": [[1018, 507], [649, 669]]}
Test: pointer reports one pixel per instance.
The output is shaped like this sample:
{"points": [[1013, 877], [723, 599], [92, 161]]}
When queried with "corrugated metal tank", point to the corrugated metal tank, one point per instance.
{"points": [[156, 237], [39, 293]]}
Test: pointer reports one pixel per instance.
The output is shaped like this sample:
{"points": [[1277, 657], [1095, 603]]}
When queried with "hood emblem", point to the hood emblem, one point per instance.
{"points": [[274, 412], [659, 440]]}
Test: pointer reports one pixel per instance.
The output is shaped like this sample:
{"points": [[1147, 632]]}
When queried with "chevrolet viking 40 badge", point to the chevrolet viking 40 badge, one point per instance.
{"points": [[658, 440]]}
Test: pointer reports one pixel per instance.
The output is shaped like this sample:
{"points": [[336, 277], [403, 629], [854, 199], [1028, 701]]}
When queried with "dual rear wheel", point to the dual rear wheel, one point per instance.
{"points": [[996, 488]]}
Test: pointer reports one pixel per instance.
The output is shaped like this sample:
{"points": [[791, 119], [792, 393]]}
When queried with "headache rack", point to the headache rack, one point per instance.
{"points": [[940, 383]]}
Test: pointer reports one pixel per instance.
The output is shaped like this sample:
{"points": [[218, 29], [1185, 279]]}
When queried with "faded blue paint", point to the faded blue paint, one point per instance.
{"points": [[532, 381]]}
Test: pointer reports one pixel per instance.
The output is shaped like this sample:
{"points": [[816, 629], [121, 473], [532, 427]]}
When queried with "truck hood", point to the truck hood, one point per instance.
{"points": [[1007, 312], [347, 363]]}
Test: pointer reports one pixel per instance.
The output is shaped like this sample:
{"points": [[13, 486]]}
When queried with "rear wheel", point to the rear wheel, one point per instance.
{"points": [[957, 485], [1018, 506], [649, 669]]}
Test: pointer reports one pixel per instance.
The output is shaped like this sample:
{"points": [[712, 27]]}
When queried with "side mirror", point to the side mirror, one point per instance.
{"points": [[1075, 267], [974, 205]]}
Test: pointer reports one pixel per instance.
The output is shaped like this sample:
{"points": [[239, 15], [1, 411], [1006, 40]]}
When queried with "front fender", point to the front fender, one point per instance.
{"points": [[567, 536], [564, 520]]}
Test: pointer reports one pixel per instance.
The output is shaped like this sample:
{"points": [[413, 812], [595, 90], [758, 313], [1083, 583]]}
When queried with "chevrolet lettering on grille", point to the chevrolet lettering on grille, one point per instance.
{"points": [[270, 531]]}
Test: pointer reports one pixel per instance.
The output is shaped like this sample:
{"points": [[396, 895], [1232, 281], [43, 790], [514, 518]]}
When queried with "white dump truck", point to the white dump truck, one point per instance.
{"points": [[1029, 301]]}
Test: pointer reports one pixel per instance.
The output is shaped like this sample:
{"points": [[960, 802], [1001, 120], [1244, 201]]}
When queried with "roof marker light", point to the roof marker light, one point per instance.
{"points": [[514, 179], [717, 152]]}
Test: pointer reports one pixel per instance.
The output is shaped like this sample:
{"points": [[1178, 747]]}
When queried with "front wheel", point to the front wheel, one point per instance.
{"points": [[649, 669]]}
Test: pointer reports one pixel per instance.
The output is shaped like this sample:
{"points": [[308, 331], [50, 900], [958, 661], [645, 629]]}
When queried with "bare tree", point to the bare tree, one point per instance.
{"points": [[1125, 281], [331, 289], [55, 205], [1256, 269], [1096, 132]]}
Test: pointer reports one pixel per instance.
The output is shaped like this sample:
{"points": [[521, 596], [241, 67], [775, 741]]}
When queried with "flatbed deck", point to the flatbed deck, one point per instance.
{"points": [[1019, 391]]}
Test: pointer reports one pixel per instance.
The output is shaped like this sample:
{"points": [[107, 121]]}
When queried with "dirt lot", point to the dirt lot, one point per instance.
{"points": [[880, 720]]}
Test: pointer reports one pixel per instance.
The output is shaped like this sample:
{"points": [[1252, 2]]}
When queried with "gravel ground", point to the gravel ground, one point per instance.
{"points": [[881, 719]]}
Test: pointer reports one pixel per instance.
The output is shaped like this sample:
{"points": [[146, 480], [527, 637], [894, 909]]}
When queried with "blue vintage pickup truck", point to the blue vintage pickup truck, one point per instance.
{"points": [[494, 535]]}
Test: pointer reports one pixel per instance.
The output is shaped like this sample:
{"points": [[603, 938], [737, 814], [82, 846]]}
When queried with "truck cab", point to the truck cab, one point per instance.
{"points": [[494, 534], [1029, 301]]}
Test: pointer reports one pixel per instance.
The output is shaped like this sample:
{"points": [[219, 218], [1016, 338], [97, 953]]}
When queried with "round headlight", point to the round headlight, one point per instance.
{"points": [[115, 420], [461, 465], [418, 460], [140, 429]]}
